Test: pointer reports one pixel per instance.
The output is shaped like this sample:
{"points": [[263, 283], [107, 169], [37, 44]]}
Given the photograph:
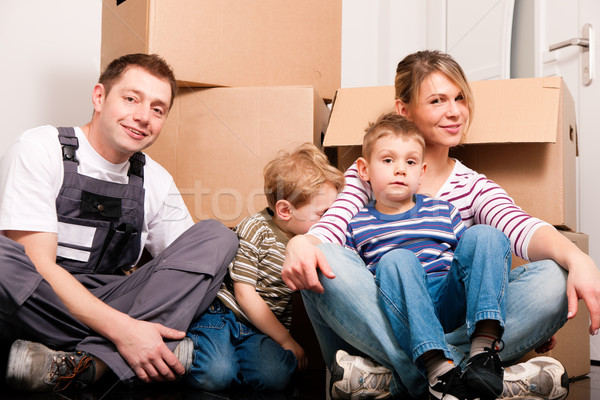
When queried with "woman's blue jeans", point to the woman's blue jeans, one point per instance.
{"points": [[229, 354], [348, 316], [421, 308]]}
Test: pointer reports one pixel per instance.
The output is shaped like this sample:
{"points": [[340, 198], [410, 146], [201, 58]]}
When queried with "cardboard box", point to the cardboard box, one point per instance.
{"points": [[573, 339], [232, 42], [217, 141], [523, 136]]}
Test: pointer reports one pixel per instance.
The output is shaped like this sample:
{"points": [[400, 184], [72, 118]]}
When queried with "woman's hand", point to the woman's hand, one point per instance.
{"points": [[583, 282], [302, 259]]}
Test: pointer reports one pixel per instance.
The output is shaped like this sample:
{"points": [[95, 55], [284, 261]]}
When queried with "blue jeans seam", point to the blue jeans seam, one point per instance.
{"points": [[392, 306]]}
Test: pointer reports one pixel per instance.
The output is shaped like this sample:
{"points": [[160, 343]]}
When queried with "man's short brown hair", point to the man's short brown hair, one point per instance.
{"points": [[152, 63]]}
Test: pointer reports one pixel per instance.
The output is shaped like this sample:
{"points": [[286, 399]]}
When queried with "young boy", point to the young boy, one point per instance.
{"points": [[243, 339], [429, 283]]}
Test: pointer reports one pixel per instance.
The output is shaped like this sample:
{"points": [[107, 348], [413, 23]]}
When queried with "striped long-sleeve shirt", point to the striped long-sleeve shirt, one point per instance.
{"points": [[258, 263], [431, 229], [478, 199]]}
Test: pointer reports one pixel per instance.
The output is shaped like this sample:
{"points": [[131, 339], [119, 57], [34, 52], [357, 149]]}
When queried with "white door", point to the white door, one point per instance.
{"points": [[536, 26], [558, 21]]}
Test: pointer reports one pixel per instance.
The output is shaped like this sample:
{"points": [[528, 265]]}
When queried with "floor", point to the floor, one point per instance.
{"points": [[587, 388], [309, 386]]}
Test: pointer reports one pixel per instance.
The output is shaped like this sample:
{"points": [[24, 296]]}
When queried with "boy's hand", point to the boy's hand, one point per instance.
{"points": [[298, 352], [547, 346]]}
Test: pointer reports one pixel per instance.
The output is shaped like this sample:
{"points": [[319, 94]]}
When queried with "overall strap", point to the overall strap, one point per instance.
{"points": [[136, 169], [69, 144]]}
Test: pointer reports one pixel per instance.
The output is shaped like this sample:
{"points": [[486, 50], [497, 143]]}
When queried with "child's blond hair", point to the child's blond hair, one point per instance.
{"points": [[390, 124], [298, 175]]}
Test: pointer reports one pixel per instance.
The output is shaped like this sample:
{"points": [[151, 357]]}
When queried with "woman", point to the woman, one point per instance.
{"points": [[432, 91]]}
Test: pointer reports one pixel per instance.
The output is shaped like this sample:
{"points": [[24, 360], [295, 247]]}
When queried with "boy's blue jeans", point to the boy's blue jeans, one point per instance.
{"points": [[421, 308], [229, 354], [348, 316]]}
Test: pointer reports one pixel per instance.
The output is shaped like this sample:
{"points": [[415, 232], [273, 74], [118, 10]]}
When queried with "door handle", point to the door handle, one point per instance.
{"points": [[586, 42], [583, 42]]}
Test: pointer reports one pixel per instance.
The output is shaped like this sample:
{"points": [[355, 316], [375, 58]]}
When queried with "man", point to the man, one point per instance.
{"points": [[77, 206]]}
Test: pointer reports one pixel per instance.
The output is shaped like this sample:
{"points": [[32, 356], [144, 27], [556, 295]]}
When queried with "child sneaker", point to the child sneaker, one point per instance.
{"points": [[450, 386], [484, 374]]}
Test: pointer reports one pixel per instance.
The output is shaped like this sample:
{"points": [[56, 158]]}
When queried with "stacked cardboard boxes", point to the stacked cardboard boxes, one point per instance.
{"points": [[217, 141], [232, 42], [523, 136], [253, 77]]}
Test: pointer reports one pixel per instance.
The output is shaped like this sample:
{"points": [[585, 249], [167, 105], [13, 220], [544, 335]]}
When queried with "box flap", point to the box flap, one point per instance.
{"points": [[506, 111], [352, 110], [515, 111]]}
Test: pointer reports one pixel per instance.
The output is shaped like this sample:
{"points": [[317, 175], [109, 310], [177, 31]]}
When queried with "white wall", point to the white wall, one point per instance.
{"points": [[50, 52], [376, 35]]}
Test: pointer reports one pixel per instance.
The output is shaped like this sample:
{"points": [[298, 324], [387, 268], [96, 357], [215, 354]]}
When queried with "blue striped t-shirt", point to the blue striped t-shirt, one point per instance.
{"points": [[431, 229]]}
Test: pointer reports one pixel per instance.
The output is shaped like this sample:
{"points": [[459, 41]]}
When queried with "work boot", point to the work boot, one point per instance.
{"points": [[34, 367], [357, 378], [538, 378]]}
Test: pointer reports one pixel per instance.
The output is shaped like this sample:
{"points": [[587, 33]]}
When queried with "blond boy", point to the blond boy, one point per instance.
{"points": [[243, 340]]}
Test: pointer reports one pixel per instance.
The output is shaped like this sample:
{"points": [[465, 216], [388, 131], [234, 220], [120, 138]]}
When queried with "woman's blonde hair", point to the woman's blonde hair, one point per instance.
{"points": [[415, 67], [299, 175]]}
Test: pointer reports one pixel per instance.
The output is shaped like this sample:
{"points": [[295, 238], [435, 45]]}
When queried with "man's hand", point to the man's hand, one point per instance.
{"points": [[147, 354], [302, 258], [583, 282]]}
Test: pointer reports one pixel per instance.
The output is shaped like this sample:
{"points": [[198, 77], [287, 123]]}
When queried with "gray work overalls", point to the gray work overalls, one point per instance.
{"points": [[100, 225]]}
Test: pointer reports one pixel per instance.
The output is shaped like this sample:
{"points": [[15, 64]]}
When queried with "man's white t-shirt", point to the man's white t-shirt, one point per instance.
{"points": [[31, 175]]}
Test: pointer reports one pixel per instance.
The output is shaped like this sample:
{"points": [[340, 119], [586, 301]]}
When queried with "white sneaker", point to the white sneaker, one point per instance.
{"points": [[538, 378], [357, 378]]}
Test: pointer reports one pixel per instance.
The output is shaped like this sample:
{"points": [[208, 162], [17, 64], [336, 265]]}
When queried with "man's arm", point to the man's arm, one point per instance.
{"points": [[261, 316], [142, 347]]}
